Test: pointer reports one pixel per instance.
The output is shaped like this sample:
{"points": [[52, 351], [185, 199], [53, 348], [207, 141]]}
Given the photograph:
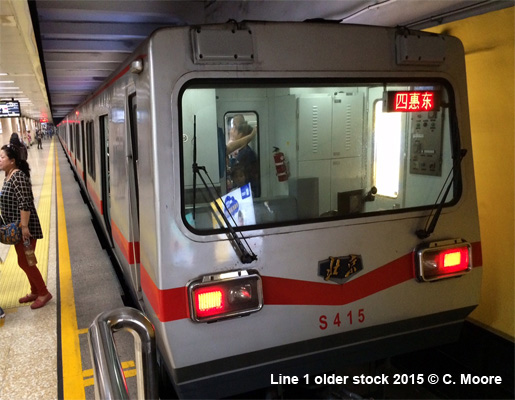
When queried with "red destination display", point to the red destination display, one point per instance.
{"points": [[412, 101]]}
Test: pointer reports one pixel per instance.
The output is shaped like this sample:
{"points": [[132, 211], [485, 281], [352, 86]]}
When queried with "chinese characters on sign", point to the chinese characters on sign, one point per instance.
{"points": [[340, 269], [412, 101]]}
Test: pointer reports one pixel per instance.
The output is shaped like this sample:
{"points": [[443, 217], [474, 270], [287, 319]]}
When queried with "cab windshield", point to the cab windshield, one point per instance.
{"points": [[269, 153]]}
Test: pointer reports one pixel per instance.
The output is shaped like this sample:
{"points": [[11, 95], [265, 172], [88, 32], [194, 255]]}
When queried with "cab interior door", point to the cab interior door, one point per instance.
{"points": [[256, 107]]}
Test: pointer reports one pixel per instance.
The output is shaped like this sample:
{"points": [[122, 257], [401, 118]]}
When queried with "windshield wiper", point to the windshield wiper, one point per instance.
{"points": [[243, 250], [430, 226]]}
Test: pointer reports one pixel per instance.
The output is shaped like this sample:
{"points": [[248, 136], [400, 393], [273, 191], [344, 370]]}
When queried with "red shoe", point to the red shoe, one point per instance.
{"points": [[28, 298], [40, 303]]}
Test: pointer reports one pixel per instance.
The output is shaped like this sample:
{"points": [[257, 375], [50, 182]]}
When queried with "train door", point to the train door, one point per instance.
{"points": [[77, 148], [72, 147], [132, 164], [84, 159], [105, 172]]}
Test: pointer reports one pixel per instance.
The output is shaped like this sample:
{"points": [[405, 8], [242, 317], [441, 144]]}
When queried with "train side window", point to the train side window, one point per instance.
{"points": [[90, 136]]}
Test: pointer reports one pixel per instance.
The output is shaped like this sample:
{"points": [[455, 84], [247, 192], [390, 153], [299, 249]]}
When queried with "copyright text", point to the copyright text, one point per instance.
{"points": [[384, 379]]}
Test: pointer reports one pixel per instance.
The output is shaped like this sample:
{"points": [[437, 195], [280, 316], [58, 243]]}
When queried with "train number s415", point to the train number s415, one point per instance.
{"points": [[341, 320]]}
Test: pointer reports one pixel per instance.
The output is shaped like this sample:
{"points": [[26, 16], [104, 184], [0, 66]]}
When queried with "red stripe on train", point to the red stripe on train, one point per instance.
{"points": [[172, 304], [321, 293], [130, 250], [169, 304], [96, 199]]}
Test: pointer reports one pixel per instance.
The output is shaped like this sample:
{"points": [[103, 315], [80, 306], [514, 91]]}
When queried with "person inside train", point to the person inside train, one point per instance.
{"points": [[246, 157], [17, 204], [238, 176], [237, 141]]}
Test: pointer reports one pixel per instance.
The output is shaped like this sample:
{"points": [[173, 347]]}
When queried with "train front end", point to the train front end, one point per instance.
{"points": [[314, 199]]}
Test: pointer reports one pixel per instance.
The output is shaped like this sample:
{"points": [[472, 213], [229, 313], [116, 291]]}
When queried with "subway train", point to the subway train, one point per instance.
{"points": [[285, 199]]}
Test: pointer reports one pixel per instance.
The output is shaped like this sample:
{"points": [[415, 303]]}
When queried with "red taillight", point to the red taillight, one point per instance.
{"points": [[225, 295], [209, 301], [455, 260], [438, 260]]}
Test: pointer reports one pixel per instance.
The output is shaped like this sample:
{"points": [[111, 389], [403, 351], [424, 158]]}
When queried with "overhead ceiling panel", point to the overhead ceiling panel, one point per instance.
{"points": [[21, 75], [83, 41]]}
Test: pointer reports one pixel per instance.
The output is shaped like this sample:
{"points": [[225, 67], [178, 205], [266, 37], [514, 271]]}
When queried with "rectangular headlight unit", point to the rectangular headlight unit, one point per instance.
{"points": [[225, 295], [444, 259]]}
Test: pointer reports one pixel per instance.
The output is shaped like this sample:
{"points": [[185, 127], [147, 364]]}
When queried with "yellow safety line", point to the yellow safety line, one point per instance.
{"points": [[14, 283], [129, 367], [70, 345], [129, 370]]}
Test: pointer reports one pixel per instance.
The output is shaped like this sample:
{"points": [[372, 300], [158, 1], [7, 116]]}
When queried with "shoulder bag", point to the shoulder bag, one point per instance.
{"points": [[10, 233]]}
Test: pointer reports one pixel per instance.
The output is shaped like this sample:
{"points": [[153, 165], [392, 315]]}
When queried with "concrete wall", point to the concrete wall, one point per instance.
{"points": [[489, 47]]}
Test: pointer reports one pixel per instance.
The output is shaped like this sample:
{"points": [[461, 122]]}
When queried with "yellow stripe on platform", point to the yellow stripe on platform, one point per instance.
{"points": [[13, 281], [73, 387], [129, 370]]}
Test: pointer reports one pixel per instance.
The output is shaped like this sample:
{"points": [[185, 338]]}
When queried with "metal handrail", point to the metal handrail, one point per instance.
{"points": [[107, 368]]}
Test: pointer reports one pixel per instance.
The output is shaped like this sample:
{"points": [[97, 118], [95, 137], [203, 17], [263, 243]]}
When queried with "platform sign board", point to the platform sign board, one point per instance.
{"points": [[9, 109]]}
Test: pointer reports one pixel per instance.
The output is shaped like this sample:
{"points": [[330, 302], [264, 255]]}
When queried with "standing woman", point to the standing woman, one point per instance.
{"points": [[17, 204]]}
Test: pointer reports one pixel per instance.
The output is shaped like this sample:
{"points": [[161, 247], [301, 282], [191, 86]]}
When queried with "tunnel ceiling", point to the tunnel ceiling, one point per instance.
{"points": [[81, 42]]}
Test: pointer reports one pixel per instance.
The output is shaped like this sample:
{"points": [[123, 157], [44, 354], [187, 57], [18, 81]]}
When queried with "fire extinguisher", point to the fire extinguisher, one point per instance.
{"points": [[280, 165]]}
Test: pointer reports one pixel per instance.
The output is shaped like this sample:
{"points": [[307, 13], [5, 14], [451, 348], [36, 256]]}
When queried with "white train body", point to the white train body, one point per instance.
{"points": [[330, 274]]}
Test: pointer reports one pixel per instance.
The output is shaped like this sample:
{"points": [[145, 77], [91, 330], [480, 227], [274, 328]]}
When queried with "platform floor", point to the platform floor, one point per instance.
{"points": [[44, 353]]}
